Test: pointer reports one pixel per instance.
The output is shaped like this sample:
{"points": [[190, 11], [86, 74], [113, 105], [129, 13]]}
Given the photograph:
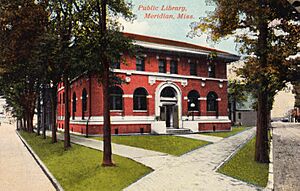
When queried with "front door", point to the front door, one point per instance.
{"points": [[169, 113], [169, 116]]}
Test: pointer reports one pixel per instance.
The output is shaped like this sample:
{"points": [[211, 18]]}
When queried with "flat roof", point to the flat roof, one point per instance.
{"points": [[177, 46]]}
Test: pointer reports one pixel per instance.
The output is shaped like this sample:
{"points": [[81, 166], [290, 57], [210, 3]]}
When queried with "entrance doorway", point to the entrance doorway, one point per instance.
{"points": [[169, 108]]}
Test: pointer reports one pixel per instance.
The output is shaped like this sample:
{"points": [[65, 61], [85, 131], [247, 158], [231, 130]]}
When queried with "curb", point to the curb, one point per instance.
{"points": [[52, 179], [270, 184]]}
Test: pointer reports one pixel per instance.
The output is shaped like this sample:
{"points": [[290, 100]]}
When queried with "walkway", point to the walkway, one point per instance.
{"points": [[196, 170], [152, 159], [192, 171], [212, 139], [286, 144], [18, 169]]}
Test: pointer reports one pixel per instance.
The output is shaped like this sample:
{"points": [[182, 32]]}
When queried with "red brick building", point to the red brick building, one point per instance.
{"points": [[170, 86]]}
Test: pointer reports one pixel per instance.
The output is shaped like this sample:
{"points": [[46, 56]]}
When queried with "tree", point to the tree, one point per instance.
{"points": [[268, 34], [64, 21], [102, 43], [21, 25]]}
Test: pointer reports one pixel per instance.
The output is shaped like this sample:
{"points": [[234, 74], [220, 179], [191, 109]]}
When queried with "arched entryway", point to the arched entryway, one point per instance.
{"points": [[168, 105]]}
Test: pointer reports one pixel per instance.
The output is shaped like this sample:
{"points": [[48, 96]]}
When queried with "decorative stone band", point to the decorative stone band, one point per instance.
{"points": [[152, 80], [131, 96], [128, 96], [116, 120]]}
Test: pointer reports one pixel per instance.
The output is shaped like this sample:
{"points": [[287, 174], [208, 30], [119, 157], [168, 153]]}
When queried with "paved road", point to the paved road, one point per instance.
{"points": [[18, 170], [286, 156]]}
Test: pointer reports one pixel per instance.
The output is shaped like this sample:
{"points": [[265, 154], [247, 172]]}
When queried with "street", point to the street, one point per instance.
{"points": [[286, 156], [18, 169]]}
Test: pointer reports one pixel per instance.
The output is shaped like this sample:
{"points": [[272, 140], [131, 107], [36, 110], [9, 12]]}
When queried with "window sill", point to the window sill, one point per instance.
{"points": [[116, 111], [140, 111]]}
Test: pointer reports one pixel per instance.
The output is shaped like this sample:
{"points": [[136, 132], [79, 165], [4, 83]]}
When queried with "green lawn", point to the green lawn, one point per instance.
{"points": [[234, 131], [163, 143], [242, 166], [80, 168]]}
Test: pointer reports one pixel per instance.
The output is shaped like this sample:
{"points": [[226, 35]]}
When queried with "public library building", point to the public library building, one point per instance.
{"points": [[170, 87]]}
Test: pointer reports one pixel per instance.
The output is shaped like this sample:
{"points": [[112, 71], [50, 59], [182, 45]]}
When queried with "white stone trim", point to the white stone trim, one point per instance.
{"points": [[185, 98], [149, 96], [140, 111], [98, 120], [116, 111], [219, 99], [206, 118], [203, 98], [127, 95], [152, 80], [158, 90], [174, 76], [60, 89]]}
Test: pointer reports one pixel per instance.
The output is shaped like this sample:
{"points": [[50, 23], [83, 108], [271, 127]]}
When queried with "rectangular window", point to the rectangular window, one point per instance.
{"points": [[174, 67], [116, 64], [64, 97], [212, 71], [162, 66], [193, 69], [140, 64]]}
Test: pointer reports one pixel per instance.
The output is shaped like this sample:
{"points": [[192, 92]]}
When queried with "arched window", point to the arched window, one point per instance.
{"points": [[212, 104], [193, 100], [73, 105], [84, 102], [140, 99], [116, 98], [168, 92]]}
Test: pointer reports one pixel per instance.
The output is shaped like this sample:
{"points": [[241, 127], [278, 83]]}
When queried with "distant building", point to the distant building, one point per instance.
{"points": [[170, 87], [284, 101], [241, 113]]}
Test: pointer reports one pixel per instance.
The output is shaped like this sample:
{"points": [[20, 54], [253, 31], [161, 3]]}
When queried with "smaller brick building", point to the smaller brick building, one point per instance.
{"points": [[170, 86]]}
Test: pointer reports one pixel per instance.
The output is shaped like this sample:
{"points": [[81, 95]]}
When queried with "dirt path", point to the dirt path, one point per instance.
{"points": [[286, 156]]}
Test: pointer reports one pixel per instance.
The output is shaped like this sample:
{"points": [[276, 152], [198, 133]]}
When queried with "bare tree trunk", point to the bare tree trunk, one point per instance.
{"points": [[39, 115], [67, 143], [234, 109], [261, 146], [24, 122], [44, 112], [107, 159], [53, 112], [107, 155]]}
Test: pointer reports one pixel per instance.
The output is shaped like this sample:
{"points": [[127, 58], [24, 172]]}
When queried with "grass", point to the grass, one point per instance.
{"points": [[163, 143], [234, 131], [243, 167], [80, 167]]}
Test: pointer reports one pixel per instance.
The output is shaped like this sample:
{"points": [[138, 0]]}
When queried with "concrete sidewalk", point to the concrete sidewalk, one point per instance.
{"points": [[212, 139], [197, 170], [152, 159], [18, 169]]}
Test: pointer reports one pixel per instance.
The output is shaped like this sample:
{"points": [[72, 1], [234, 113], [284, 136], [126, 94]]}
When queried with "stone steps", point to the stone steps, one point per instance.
{"points": [[178, 131]]}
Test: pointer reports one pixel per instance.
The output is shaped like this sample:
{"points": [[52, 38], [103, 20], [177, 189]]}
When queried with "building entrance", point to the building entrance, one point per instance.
{"points": [[169, 108]]}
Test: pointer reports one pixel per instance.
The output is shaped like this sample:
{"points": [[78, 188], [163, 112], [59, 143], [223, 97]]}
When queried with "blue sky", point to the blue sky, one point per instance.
{"points": [[175, 29]]}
